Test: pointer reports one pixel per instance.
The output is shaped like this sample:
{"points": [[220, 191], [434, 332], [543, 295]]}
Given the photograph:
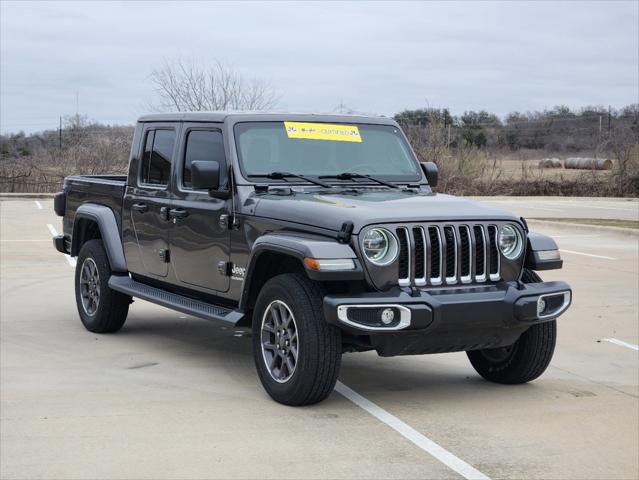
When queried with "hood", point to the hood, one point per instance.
{"points": [[330, 211]]}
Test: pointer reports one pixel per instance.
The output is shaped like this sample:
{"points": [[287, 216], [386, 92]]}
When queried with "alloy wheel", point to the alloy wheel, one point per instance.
{"points": [[279, 340], [90, 286]]}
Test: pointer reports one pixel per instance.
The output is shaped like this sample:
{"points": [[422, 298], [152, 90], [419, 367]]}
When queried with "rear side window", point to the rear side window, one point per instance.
{"points": [[203, 145], [157, 157]]}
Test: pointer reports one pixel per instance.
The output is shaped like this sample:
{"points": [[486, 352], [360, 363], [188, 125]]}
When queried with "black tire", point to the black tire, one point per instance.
{"points": [[318, 344], [108, 314], [523, 361]]}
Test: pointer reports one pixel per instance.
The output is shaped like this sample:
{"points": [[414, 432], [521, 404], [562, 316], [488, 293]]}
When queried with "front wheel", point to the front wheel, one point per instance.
{"points": [[297, 354], [522, 361]]}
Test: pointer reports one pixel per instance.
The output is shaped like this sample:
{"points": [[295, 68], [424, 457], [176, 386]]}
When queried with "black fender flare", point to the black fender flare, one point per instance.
{"points": [[109, 230], [301, 247]]}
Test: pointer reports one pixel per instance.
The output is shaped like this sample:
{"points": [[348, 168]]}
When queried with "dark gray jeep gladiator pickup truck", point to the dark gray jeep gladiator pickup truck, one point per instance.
{"points": [[321, 233]]}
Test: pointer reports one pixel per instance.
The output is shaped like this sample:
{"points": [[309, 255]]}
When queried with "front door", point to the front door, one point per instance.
{"points": [[199, 235], [148, 202]]}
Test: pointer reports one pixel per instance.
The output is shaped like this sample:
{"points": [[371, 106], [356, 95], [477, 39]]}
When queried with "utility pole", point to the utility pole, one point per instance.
{"points": [[609, 118], [598, 137], [60, 134]]}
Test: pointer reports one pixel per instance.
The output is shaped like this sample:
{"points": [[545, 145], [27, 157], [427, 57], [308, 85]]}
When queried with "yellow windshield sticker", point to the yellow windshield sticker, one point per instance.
{"points": [[323, 131]]}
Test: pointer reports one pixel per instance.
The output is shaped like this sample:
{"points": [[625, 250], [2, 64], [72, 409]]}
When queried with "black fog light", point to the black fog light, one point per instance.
{"points": [[375, 317]]}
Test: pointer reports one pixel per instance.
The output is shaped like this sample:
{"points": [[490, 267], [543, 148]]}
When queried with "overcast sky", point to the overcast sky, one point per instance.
{"points": [[374, 57]]}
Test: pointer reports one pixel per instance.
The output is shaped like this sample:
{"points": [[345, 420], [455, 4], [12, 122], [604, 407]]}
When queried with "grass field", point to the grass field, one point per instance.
{"points": [[516, 169]]}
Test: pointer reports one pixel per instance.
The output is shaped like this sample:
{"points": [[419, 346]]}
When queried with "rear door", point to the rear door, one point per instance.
{"points": [[148, 200], [200, 237]]}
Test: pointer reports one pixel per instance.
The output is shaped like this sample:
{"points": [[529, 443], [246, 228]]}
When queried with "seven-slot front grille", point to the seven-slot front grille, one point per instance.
{"points": [[447, 254]]}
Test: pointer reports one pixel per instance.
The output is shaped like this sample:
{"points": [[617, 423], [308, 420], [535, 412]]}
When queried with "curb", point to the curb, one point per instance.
{"points": [[18, 196], [583, 227], [629, 200]]}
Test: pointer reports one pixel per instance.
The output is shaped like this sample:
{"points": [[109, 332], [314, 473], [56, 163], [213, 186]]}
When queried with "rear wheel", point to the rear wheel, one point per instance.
{"points": [[297, 354], [101, 309], [522, 361]]}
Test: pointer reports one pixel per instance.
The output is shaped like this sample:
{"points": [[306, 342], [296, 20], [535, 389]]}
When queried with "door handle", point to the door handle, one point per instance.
{"points": [[140, 207], [178, 213]]}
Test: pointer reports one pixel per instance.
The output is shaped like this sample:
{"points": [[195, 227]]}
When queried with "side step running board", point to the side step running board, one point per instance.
{"points": [[174, 301]]}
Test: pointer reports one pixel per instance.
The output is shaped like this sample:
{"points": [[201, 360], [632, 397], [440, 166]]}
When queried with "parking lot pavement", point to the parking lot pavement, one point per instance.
{"points": [[568, 207], [171, 396]]}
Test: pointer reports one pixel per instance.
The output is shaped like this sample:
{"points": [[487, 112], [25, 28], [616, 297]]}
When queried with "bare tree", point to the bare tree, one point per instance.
{"points": [[186, 86]]}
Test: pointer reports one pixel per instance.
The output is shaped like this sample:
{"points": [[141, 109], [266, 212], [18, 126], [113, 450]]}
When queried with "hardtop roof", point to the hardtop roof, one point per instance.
{"points": [[264, 117]]}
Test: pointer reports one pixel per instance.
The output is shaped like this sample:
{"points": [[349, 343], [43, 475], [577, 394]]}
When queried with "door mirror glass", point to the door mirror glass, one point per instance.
{"points": [[205, 175], [205, 146], [432, 173]]}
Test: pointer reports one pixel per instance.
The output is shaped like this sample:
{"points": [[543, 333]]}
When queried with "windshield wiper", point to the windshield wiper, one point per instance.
{"points": [[284, 175], [351, 176]]}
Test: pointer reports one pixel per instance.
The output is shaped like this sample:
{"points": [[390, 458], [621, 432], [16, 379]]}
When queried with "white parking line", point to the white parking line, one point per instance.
{"points": [[408, 432], [576, 236], [38, 204], [587, 254], [26, 240], [621, 343], [54, 233]]}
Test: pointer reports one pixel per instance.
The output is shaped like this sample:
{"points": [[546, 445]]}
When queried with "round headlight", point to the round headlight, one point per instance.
{"points": [[380, 246], [510, 242]]}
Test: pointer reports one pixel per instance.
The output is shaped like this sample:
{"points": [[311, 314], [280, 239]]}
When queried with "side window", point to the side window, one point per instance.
{"points": [[203, 145], [146, 156], [157, 156]]}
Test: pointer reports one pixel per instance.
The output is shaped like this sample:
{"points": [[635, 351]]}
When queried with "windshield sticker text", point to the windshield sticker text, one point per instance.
{"points": [[323, 131]]}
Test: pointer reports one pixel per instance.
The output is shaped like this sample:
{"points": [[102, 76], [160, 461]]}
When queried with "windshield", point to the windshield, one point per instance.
{"points": [[320, 149]]}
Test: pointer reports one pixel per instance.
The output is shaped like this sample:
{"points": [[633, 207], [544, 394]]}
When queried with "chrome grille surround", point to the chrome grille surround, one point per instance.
{"points": [[436, 256], [473, 246], [404, 256], [481, 248], [464, 233], [493, 235], [451, 251], [420, 241]]}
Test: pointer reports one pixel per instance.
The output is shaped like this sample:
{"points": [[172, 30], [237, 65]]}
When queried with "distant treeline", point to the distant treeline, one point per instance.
{"points": [[559, 129], [461, 145], [38, 162]]}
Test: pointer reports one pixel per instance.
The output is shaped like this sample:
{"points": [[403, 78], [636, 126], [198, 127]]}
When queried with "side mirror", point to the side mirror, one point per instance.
{"points": [[432, 173], [205, 175]]}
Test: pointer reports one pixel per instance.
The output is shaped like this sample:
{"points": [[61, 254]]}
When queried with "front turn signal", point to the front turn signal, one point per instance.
{"points": [[329, 264]]}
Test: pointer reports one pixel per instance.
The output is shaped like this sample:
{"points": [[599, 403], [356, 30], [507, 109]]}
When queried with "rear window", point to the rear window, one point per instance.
{"points": [[157, 157]]}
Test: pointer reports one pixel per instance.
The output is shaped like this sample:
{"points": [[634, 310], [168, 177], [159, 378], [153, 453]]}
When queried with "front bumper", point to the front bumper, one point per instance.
{"points": [[450, 319]]}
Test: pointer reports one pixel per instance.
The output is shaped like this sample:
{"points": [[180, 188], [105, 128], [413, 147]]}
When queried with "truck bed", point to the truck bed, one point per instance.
{"points": [[107, 190], [113, 179]]}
